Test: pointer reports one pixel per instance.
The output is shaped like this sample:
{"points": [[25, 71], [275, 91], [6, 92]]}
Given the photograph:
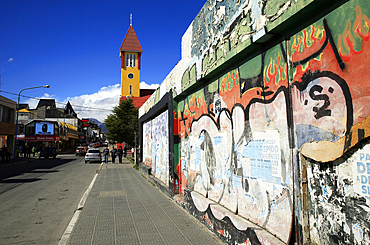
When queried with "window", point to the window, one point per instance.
{"points": [[131, 60], [130, 89], [93, 151], [7, 115]]}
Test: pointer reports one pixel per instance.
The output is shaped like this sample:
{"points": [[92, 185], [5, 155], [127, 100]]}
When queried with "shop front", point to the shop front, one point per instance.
{"points": [[39, 134]]}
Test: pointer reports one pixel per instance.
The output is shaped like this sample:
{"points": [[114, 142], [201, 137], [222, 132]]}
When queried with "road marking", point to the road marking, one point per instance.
{"points": [[86, 194], [67, 233]]}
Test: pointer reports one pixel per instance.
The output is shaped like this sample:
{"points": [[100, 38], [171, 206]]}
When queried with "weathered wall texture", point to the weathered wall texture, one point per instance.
{"points": [[235, 143], [330, 97], [278, 136], [155, 148]]}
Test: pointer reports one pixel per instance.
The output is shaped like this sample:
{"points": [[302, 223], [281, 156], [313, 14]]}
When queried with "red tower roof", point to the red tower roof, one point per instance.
{"points": [[131, 42]]}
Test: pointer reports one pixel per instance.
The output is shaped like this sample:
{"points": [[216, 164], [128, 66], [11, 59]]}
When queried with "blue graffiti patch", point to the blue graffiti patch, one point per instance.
{"points": [[253, 149], [261, 169], [217, 140]]}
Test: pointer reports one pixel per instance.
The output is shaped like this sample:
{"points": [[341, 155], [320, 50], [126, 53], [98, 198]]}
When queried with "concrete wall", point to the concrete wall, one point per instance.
{"points": [[271, 121]]}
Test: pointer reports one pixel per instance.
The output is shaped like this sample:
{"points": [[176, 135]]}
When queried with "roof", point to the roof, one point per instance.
{"points": [[68, 125], [137, 101], [46, 102], [131, 42], [23, 106], [25, 111]]}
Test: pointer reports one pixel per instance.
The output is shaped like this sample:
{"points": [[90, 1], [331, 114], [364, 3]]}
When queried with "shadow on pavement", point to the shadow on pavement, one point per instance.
{"points": [[44, 171], [19, 180], [32, 166]]}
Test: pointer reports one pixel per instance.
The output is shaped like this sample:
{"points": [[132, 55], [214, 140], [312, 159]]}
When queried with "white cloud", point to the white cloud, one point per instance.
{"points": [[144, 85], [97, 105], [10, 60]]}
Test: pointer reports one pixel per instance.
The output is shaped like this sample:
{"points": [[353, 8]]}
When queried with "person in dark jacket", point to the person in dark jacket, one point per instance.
{"points": [[106, 154], [120, 153], [114, 154], [3, 153], [125, 151]]}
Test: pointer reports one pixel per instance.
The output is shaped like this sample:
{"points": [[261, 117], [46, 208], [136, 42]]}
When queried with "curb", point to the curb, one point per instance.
{"points": [[67, 233]]}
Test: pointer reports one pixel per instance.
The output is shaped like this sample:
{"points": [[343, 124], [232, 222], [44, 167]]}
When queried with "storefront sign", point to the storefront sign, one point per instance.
{"points": [[42, 138]]}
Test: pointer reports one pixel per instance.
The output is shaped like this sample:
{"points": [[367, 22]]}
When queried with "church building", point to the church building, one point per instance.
{"points": [[130, 54]]}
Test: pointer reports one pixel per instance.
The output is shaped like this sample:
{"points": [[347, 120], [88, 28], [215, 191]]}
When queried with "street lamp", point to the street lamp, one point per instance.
{"points": [[16, 122]]}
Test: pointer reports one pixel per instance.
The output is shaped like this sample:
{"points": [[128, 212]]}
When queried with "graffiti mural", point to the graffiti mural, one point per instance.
{"points": [[329, 94], [278, 137], [155, 146], [235, 142], [339, 200], [236, 132], [330, 91], [213, 44]]}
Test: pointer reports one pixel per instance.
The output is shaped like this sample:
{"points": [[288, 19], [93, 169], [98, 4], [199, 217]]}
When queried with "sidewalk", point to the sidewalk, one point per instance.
{"points": [[124, 208]]}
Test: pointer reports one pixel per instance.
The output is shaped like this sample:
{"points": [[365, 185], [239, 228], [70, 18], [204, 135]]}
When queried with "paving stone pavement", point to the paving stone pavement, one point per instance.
{"points": [[124, 208]]}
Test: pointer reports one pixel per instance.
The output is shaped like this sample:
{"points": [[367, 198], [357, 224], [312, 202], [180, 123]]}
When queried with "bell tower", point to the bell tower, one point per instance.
{"points": [[130, 53]]}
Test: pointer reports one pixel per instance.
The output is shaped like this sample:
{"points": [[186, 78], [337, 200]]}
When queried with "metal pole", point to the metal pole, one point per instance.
{"points": [[16, 121]]}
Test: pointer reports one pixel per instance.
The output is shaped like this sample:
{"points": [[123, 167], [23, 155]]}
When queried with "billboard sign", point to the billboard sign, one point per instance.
{"points": [[44, 128]]}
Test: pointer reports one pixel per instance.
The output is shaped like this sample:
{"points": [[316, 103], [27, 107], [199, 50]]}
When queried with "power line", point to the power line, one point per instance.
{"points": [[86, 107]]}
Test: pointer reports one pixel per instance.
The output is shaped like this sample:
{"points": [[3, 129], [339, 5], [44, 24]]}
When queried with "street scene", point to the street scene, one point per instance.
{"points": [[185, 122], [40, 196]]}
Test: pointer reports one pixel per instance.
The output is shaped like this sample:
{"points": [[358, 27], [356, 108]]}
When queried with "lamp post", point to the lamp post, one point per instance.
{"points": [[16, 121]]}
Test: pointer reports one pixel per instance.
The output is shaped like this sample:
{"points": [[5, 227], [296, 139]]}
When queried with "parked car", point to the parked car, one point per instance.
{"points": [[91, 146], [80, 151], [48, 152], [93, 155]]}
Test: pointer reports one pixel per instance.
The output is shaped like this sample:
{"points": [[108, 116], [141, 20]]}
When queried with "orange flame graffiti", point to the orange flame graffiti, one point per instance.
{"points": [[271, 76], [352, 38]]}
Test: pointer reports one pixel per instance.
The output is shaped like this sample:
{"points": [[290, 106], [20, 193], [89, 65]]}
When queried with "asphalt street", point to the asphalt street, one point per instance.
{"points": [[38, 198]]}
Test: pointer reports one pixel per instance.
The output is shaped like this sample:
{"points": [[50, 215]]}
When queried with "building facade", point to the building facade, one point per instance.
{"points": [[262, 129], [7, 123], [68, 130], [130, 54]]}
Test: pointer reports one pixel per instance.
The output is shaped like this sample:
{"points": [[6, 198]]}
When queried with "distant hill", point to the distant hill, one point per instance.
{"points": [[100, 125]]}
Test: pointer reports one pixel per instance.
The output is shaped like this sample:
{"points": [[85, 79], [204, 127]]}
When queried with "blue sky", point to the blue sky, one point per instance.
{"points": [[73, 46]]}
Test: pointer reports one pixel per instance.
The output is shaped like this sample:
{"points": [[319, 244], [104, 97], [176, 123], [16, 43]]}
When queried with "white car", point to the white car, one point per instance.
{"points": [[93, 155]]}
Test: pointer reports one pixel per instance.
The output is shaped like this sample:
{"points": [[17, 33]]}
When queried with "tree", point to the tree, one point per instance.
{"points": [[122, 124]]}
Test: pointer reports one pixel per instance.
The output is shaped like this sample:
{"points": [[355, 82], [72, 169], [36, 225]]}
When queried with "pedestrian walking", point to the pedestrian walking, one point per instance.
{"points": [[125, 151], [3, 153], [106, 154], [120, 153], [114, 154], [8, 154], [21, 151], [33, 151], [133, 152], [28, 151]]}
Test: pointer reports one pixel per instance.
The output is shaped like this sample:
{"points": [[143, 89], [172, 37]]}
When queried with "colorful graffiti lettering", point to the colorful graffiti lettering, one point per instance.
{"points": [[236, 134]]}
